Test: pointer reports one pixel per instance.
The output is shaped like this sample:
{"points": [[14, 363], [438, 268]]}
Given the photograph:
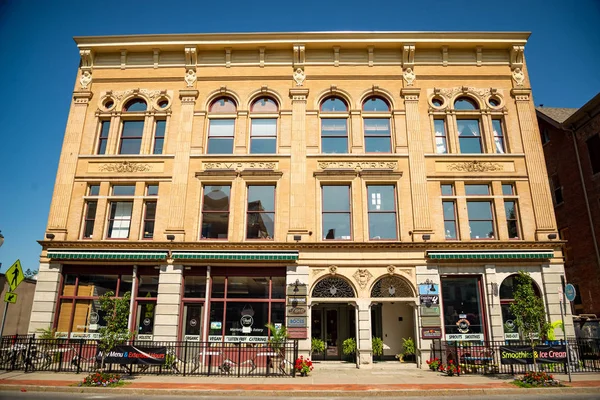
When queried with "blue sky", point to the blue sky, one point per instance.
{"points": [[39, 59]]}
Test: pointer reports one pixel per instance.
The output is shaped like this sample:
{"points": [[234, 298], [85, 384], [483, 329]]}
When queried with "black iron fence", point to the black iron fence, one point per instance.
{"points": [[515, 357], [29, 354]]}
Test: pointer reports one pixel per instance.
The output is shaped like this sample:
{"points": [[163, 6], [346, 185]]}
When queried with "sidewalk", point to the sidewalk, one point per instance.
{"points": [[325, 380]]}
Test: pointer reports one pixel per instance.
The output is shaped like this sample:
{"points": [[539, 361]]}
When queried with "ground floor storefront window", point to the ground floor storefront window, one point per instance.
{"points": [[145, 302], [463, 309]]}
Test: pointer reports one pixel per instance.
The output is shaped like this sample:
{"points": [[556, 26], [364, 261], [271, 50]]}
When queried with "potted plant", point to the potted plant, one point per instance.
{"points": [[434, 364], [303, 365], [349, 349], [277, 341], [408, 349], [377, 346], [451, 369], [317, 346]]}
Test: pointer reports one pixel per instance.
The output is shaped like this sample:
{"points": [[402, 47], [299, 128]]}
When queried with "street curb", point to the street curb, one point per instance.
{"points": [[303, 393]]}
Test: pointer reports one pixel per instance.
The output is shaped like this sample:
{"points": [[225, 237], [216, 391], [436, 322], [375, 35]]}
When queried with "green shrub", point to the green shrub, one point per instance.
{"points": [[408, 346], [349, 346], [317, 346], [377, 344]]}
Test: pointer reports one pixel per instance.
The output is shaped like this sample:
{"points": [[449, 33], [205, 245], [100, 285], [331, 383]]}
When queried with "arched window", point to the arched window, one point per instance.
{"points": [[135, 105], [468, 126], [378, 134], [132, 129], [222, 113], [465, 103], [334, 125], [392, 286], [263, 133], [333, 287], [507, 289]]}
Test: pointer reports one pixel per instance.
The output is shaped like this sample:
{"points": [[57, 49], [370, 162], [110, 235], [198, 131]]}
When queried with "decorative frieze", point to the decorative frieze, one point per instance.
{"points": [[125, 167], [475, 166], [362, 276], [240, 166], [151, 94], [354, 165]]}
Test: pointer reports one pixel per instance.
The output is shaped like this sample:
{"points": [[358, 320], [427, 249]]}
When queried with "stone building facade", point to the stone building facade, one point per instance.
{"points": [[347, 185], [571, 142]]}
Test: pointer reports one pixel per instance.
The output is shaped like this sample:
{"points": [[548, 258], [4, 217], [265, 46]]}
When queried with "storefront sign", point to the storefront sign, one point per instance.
{"points": [[246, 339], [299, 322], [430, 311], [298, 333], [61, 335], [215, 338], [431, 333], [84, 335], [511, 336], [432, 299], [136, 355], [430, 321], [463, 324], [300, 290], [145, 337], [215, 325], [298, 310], [296, 301], [192, 338], [425, 288], [545, 354], [461, 337]]}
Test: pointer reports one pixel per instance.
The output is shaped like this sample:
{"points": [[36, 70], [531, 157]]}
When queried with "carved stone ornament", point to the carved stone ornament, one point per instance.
{"points": [[299, 76], [358, 165], [317, 271], [409, 76], [190, 77], [151, 94], [518, 76], [85, 79], [362, 276], [391, 269], [479, 92], [240, 166], [475, 166], [332, 270], [124, 167]]}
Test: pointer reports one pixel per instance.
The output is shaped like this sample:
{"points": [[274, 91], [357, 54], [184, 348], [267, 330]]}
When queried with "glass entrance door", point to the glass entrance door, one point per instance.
{"points": [[192, 320], [332, 324]]}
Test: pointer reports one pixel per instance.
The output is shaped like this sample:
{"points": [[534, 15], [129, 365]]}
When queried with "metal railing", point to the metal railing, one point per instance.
{"points": [[29, 354], [485, 357]]}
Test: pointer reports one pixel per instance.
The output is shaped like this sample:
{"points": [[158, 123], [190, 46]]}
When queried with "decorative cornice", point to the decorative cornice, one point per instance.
{"points": [[298, 94], [410, 94], [475, 166], [151, 94], [521, 94], [188, 95], [80, 97], [125, 167]]}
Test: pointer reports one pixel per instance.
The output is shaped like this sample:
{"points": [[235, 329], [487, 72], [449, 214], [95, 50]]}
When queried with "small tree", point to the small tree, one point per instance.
{"points": [[529, 312], [29, 274], [115, 332]]}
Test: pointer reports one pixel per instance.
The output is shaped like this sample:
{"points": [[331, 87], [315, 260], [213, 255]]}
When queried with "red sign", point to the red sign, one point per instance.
{"points": [[431, 333], [297, 333]]}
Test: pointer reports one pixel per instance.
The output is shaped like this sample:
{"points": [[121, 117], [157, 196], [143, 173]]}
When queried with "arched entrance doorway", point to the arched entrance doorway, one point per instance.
{"points": [[333, 319], [507, 289]]}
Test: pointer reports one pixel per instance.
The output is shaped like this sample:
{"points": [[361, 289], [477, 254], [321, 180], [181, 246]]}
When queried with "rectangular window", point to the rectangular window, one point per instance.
{"points": [[557, 192], [450, 219], [260, 221], [508, 189], [447, 189], [469, 136], [336, 212], [481, 219], [378, 136], [593, 145], [159, 137], [131, 137], [220, 136], [89, 219], [334, 135], [123, 190], [119, 220], [149, 219], [462, 306], [545, 136], [382, 212], [263, 136], [477, 190], [441, 140], [498, 136], [93, 190], [103, 138], [215, 212], [512, 219], [152, 190]]}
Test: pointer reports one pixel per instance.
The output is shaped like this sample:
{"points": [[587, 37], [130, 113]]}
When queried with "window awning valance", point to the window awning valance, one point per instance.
{"points": [[237, 255], [491, 255], [106, 255]]}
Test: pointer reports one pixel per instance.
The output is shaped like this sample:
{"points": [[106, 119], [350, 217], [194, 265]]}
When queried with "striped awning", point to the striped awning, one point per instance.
{"points": [[106, 255], [237, 255], [490, 255]]}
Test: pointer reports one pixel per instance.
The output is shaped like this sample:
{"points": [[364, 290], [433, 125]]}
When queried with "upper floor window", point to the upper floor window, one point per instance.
{"points": [[480, 212], [103, 138], [469, 129], [135, 105], [263, 133], [449, 211], [215, 212], [545, 135], [499, 139], [260, 223], [334, 126], [441, 137], [511, 210], [132, 130], [89, 218], [159, 136], [336, 212], [557, 190], [465, 103], [221, 127], [377, 127], [593, 145], [382, 212]]}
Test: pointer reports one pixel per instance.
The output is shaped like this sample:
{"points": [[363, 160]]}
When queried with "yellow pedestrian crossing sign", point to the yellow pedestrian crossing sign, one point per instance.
{"points": [[14, 275], [10, 297]]}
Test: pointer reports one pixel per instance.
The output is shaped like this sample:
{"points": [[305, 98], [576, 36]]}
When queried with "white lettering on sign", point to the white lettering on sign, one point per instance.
{"points": [[145, 337], [215, 338], [193, 338], [82, 335], [246, 339], [463, 336]]}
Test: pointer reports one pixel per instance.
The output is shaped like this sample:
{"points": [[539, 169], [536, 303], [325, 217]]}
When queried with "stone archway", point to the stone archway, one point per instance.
{"points": [[392, 286]]}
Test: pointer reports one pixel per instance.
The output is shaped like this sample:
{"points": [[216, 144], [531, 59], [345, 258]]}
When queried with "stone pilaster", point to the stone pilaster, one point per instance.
{"points": [[364, 351], [45, 297], [416, 160], [181, 164], [298, 163], [168, 302], [536, 166], [300, 272], [59, 209], [424, 273], [493, 303]]}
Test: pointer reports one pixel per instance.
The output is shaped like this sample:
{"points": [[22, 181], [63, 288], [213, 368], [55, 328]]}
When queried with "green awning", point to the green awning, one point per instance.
{"points": [[106, 255], [491, 255], [237, 255]]}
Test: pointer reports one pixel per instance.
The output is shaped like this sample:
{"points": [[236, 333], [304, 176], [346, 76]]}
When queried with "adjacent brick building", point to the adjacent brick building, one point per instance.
{"points": [[571, 141]]}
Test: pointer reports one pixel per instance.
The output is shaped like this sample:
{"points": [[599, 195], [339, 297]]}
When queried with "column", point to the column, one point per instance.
{"points": [[241, 133], [168, 302], [364, 351], [355, 127], [536, 167], [298, 164], [45, 297], [416, 160], [181, 164], [300, 272], [493, 303], [59, 208], [427, 315]]}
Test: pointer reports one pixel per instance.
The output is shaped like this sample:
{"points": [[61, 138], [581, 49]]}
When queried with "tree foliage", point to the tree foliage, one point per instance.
{"points": [[115, 332]]}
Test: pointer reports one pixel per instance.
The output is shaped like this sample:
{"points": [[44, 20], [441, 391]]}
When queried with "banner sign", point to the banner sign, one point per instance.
{"points": [[546, 354], [136, 355]]}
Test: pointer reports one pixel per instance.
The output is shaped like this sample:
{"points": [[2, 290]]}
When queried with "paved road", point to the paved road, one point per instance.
{"points": [[10, 395]]}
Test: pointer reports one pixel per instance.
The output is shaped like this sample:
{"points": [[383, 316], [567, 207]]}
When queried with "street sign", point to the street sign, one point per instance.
{"points": [[570, 292], [14, 275], [10, 297]]}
